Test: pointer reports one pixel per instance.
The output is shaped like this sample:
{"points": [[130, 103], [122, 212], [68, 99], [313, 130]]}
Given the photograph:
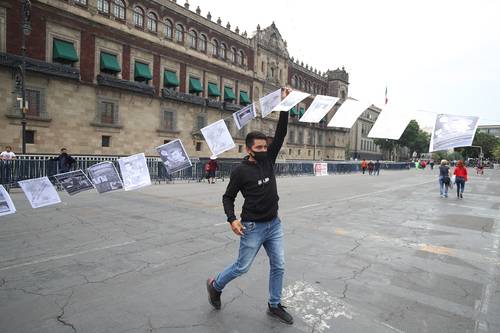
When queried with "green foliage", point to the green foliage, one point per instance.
{"points": [[488, 143], [496, 152]]}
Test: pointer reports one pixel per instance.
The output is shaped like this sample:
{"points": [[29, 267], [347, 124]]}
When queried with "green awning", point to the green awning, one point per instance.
{"points": [[141, 71], [213, 90], [109, 62], [244, 99], [195, 85], [294, 111], [170, 79], [301, 112], [229, 94], [63, 50], [322, 121]]}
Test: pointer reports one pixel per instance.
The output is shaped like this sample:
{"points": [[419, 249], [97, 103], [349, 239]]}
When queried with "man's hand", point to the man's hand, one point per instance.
{"points": [[237, 227]]}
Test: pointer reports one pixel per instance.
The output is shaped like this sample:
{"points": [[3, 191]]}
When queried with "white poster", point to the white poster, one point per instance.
{"points": [[348, 113], [318, 109], [291, 100], [74, 182], [105, 177], [174, 156], [321, 169], [452, 131], [269, 102], [218, 137], [40, 192], [135, 172], [6, 204], [244, 116], [390, 124]]}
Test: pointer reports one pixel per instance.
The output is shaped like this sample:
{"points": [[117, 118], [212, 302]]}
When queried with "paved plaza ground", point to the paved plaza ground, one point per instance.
{"points": [[363, 254]]}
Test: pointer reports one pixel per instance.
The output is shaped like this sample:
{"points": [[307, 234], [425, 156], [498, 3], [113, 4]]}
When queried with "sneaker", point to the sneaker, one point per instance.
{"points": [[461, 195], [280, 313], [213, 295]]}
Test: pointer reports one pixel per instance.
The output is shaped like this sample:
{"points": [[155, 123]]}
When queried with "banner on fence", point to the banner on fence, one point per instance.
{"points": [[321, 169]]}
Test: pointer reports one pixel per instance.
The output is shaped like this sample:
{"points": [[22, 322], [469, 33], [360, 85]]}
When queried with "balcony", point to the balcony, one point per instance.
{"points": [[138, 87]]}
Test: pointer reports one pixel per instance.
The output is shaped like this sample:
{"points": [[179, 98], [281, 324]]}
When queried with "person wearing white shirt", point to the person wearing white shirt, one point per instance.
{"points": [[8, 154]]}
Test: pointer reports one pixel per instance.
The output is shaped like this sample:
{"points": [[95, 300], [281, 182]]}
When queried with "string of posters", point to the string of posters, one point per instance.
{"points": [[449, 131]]}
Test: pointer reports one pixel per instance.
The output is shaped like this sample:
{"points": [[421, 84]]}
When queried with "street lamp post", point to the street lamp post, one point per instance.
{"points": [[25, 31]]}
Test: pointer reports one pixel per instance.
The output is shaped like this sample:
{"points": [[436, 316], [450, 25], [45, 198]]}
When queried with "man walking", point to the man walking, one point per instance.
{"points": [[260, 224]]}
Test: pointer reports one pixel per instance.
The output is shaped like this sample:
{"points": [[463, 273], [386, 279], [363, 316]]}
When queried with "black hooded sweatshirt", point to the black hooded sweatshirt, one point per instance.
{"points": [[257, 183]]}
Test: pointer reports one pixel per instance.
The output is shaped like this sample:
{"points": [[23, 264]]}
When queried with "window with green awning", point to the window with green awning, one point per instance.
{"points": [[64, 51], [170, 79], [109, 63], [213, 90], [322, 121], [301, 112], [229, 94], [142, 72], [195, 85], [294, 112], [244, 99]]}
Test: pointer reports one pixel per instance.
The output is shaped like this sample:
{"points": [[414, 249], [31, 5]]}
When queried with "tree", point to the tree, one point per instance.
{"points": [[486, 141], [496, 152], [386, 145], [415, 139]]}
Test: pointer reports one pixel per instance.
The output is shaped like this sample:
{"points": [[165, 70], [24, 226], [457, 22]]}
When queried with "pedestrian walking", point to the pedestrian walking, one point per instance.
{"points": [[376, 169], [460, 173], [211, 169], [431, 163], [364, 165], [370, 167], [260, 224], [444, 178]]}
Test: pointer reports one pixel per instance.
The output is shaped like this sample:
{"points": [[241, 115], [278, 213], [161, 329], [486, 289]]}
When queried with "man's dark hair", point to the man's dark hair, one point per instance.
{"points": [[63, 149], [8, 147], [249, 140]]}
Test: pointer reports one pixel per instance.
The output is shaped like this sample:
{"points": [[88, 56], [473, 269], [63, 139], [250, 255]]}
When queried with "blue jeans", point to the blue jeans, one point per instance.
{"points": [[443, 188], [270, 235], [460, 181]]}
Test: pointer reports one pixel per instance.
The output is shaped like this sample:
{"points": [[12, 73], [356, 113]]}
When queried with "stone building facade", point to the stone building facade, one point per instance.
{"points": [[116, 77], [360, 145]]}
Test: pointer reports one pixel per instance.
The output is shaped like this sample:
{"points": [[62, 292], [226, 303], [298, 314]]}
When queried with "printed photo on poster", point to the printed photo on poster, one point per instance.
{"points": [[453, 131], [74, 182], [135, 172], [291, 100], [244, 116], [40, 192], [105, 177], [269, 102], [218, 137], [174, 156], [6, 204]]}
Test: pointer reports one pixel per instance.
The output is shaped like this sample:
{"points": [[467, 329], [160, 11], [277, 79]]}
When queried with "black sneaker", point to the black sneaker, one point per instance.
{"points": [[213, 295], [461, 196], [280, 313]]}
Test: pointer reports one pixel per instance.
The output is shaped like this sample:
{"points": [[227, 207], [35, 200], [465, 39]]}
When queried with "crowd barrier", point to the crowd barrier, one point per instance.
{"points": [[35, 166]]}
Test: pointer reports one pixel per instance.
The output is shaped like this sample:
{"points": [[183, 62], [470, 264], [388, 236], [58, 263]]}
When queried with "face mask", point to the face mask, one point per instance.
{"points": [[260, 156]]}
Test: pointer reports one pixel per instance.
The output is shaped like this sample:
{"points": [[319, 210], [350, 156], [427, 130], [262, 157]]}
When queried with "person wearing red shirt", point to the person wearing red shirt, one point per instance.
{"points": [[460, 173]]}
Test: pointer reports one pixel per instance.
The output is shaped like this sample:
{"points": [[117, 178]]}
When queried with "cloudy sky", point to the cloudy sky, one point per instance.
{"points": [[440, 56]]}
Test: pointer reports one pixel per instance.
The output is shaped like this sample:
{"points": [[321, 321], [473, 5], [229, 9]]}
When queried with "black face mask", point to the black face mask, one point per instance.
{"points": [[260, 156]]}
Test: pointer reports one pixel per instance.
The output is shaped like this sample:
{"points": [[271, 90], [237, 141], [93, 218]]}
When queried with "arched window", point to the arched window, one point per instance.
{"points": [[203, 43], [222, 50], [233, 55], [242, 58], [152, 22], [215, 48], [301, 83], [179, 33], [103, 6], [119, 9], [138, 17], [272, 72], [168, 29], [294, 81], [263, 67], [342, 94], [193, 36]]}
